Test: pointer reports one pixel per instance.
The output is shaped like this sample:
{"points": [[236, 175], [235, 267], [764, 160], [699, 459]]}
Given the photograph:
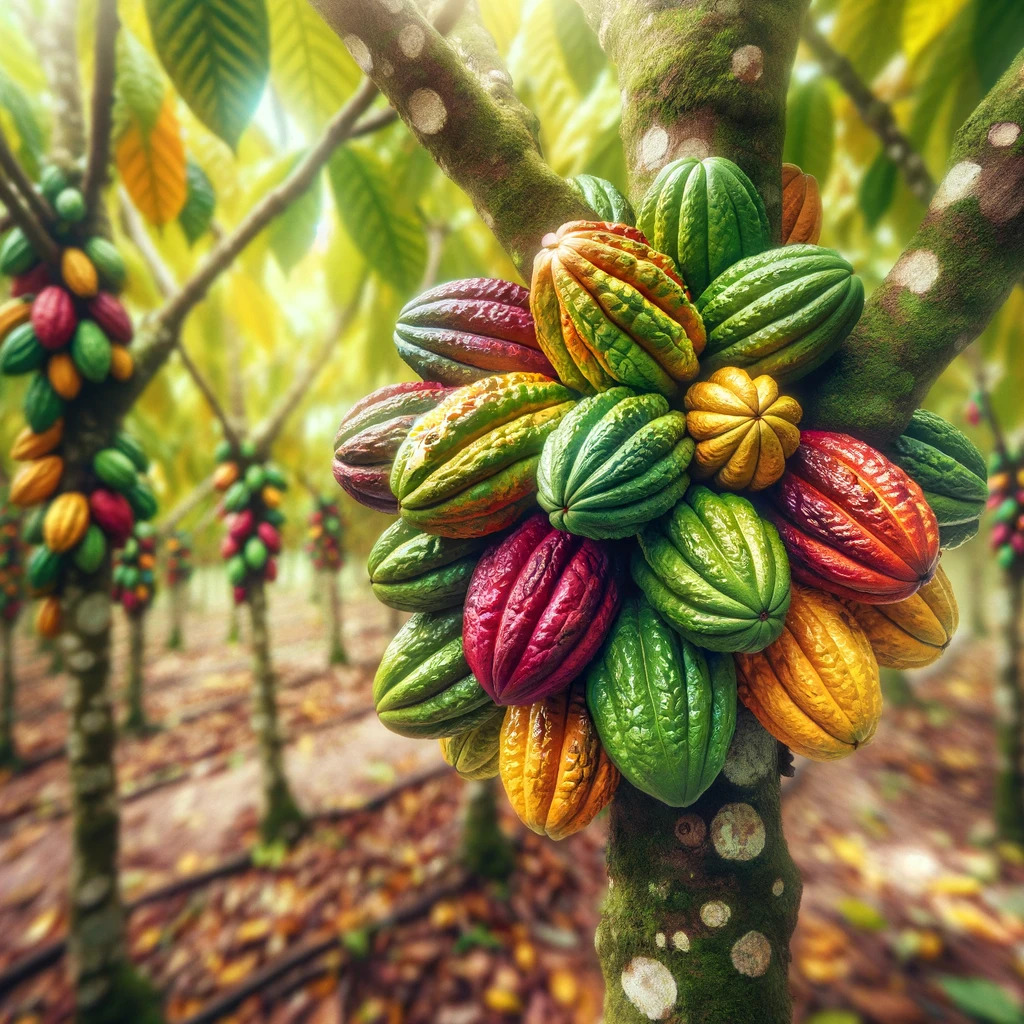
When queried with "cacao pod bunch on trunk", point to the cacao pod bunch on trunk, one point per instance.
{"points": [[178, 552], [1006, 500], [134, 576], [325, 536], [12, 562]]}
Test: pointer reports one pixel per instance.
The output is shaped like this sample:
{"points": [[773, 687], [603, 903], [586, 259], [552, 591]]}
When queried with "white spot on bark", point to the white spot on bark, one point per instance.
{"points": [[394, 6], [748, 63], [499, 76], [737, 832], [93, 614], [778, 887], [81, 661], [960, 182], [917, 271], [1003, 133], [93, 722], [68, 642], [650, 987], [602, 32], [694, 147], [411, 39], [751, 954], [427, 111], [360, 53], [653, 147], [660, 940], [681, 941], [92, 892], [386, 68], [751, 754], [691, 830], [715, 914]]}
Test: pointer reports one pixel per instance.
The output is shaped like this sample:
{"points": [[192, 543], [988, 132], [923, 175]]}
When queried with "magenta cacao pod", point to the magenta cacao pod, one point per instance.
{"points": [[239, 595], [371, 434], [32, 282], [461, 331], [270, 537], [539, 605], [241, 525], [111, 512], [53, 317], [270, 570], [129, 600], [111, 317], [229, 547]]}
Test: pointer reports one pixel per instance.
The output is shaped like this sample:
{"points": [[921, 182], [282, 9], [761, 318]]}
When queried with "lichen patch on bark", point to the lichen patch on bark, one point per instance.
{"points": [[650, 987], [715, 914], [681, 941], [654, 147], [917, 271], [691, 830], [959, 182], [93, 614], [747, 63], [751, 954], [737, 832], [427, 111], [360, 53], [1003, 133], [411, 39], [751, 754]]}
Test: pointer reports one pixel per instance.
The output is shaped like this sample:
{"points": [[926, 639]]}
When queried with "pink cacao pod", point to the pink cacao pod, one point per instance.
{"points": [[242, 525], [129, 600], [270, 537], [539, 604], [229, 548], [270, 570], [53, 317], [239, 595], [31, 282], [112, 514], [111, 317]]}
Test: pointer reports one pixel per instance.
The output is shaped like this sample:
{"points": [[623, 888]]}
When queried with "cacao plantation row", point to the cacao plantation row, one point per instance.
{"points": [[12, 567], [611, 527], [179, 563], [134, 574], [325, 536]]}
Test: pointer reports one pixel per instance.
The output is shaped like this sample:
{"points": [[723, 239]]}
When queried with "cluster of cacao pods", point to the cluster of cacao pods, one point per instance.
{"points": [[178, 552], [325, 536], [12, 569], [250, 508], [591, 593], [134, 577], [65, 327], [1006, 499]]}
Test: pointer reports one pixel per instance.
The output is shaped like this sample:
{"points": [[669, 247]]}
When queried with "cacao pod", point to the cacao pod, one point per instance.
{"points": [[716, 571], [66, 521], [611, 310], [801, 206], [30, 445], [21, 351], [63, 376], [32, 281], [42, 405], [90, 350], [53, 181], [705, 215], [70, 205], [744, 430], [461, 331], [111, 317], [16, 254], [420, 572], [816, 688], [474, 753], [950, 471], [112, 513], [616, 461], [122, 365], [36, 480], [610, 205], [552, 765], [225, 475], [88, 556], [130, 446], [43, 570], [783, 312], [423, 686], [79, 274], [53, 317], [142, 500], [914, 632], [854, 523], [539, 604], [370, 435], [108, 262], [271, 497], [48, 617], [664, 709], [115, 469], [13, 313], [468, 466]]}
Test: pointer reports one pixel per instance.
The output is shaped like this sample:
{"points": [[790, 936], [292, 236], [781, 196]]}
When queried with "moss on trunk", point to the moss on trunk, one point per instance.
{"points": [[338, 655], [1009, 796], [8, 684], [135, 719], [486, 851]]}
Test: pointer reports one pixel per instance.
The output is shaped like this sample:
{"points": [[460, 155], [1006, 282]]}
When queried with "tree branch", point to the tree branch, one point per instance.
{"points": [[101, 124], [207, 392], [38, 236], [60, 52], [236, 383], [955, 274], [133, 227], [874, 113], [192, 500], [19, 180]]}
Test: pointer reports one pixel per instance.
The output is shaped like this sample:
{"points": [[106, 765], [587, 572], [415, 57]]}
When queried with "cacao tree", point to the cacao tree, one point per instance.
{"points": [[178, 573], [11, 599], [325, 545]]}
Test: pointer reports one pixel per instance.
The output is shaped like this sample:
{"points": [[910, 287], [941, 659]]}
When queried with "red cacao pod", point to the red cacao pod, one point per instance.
{"points": [[854, 524], [112, 318], [112, 513], [241, 525], [270, 537], [539, 604], [129, 600], [53, 317], [270, 570], [229, 547], [370, 435], [32, 281], [239, 595]]}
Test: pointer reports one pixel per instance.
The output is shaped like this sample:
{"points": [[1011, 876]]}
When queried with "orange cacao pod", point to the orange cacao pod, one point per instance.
{"points": [[13, 313], [64, 376], [66, 521], [36, 480], [48, 616], [801, 206], [271, 496], [225, 475], [30, 445], [122, 365], [79, 273]]}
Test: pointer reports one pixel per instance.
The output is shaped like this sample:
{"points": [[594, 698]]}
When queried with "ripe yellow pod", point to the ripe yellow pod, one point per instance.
{"points": [[225, 475], [79, 273], [36, 480], [552, 764], [474, 754], [911, 633], [816, 688], [66, 521], [64, 376], [122, 365], [48, 617], [30, 445], [801, 206], [13, 313], [744, 429], [271, 496]]}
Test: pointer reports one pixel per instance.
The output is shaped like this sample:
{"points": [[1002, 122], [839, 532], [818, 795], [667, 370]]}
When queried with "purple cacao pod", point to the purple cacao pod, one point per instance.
{"points": [[270, 537], [239, 594], [112, 317], [111, 512], [270, 570], [370, 435], [539, 605], [462, 331]]}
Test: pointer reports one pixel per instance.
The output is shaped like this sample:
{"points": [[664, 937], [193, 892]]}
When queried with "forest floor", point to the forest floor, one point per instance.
{"points": [[911, 913]]}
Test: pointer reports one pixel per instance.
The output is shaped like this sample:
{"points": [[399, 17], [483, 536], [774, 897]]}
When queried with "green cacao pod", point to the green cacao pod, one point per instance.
{"points": [[474, 753], [716, 571], [222, 452], [468, 466], [604, 199], [53, 181], [108, 262], [950, 471], [142, 500], [115, 469], [705, 215], [43, 569], [255, 554], [665, 710], [21, 351], [32, 527], [420, 572], [90, 351], [42, 405], [237, 496], [616, 461], [128, 445], [236, 570], [88, 556], [611, 310], [16, 254], [783, 312], [70, 205], [255, 477], [423, 686]]}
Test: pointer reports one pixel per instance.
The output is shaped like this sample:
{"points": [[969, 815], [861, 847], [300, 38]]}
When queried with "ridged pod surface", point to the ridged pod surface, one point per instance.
{"points": [[474, 753], [665, 710], [603, 198], [744, 429], [616, 461], [369, 438], [914, 632], [716, 571], [853, 522], [801, 207], [421, 572], [552, 765], [36, 480], [423, 687], [816, 688], [468, 467], [538, 607], [66, 520], [461, 331], [783, 312], [611, 310], [705, 215]]}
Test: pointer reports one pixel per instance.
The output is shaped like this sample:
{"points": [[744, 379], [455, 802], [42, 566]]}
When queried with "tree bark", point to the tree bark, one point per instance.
{"points": [[338, 655], [175, 638], [1009, 797], [486, 851], [135, 720], [282, 819], [8, 685]]}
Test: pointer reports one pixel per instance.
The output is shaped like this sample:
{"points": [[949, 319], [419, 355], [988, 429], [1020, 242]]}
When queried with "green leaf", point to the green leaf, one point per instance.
{"points": [[877, 188], [998, 38], [862, 915], [291, 234], [835, 1017], [868, 32], [810, 128], [217, 53], [982, 999], [139, 87], [378, 220], [16, 104], [584, 58], [200, 202]]}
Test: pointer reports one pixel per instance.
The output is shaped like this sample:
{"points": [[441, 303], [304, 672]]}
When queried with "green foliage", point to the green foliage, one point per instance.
{"points": [[877, 189], [291, 234], [200, 202], [983, 1000], [15, 105], [139, 87], [810, 128]]}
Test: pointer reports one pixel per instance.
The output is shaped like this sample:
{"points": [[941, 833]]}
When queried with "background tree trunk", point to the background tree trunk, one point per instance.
{"points": [[486, 851], [338, 654], [1009, 809], [234, 630], [175, 638], [135, 720], [8, 749]]}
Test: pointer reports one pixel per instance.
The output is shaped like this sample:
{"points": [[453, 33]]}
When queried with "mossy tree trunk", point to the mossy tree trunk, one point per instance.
{"points": [[1009, 797], [234, 625], [338, 654], [8, 685], [486, 851], [176, 636], [135, 719]]}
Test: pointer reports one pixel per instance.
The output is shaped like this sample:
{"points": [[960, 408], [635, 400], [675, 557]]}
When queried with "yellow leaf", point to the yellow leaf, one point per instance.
{"points": [[40, 927], [153, 167], [254, 930], [923, 20], [956, 885], [235, 971], [502, 1000]]}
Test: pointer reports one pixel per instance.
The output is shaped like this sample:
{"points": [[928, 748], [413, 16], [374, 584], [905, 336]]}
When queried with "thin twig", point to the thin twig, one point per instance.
{"points": [[206, 390], [42, 244], [101, 124], [19, 180], [192, 500], [134, 229]]}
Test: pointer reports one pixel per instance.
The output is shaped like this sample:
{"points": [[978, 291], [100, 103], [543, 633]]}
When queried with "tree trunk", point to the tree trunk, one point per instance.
{"points": [[233, 625], [976, 580], [702, 900], [8, 750], [486, 851], [175, 639], [1009, 809], [282, 819], [338, 655], [135, 721]]}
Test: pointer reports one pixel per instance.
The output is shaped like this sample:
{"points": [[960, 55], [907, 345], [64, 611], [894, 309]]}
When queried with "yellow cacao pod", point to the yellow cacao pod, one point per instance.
{"points": [[146, 561], [13, 313], [30, 445], [122, 365], [744, 429], [801, 206], [48, 617], [271, 497], [911, 633], [64, 376], [552, 764], [79, 273], [816, 688], [36, 480], [66, 521], [225, 475]]}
